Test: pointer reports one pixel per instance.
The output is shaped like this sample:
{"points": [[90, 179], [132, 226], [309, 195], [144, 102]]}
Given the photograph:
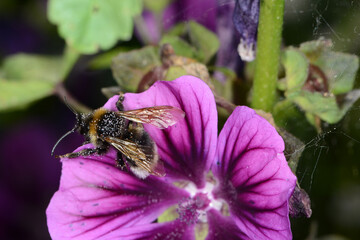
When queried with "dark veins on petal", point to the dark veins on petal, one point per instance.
{"points": [[135, 199], [249, 213], [185, 164], [264, 227], [222, 227], [245, 186], [246, 149], [246, 19]]}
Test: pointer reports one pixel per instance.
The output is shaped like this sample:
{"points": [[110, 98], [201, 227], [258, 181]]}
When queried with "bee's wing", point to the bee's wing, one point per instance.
{"points": [[158, 116], [144, 156]]}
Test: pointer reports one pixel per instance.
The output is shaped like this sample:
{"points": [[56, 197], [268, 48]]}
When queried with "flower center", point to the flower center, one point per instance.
{"points": [[193, 209]]}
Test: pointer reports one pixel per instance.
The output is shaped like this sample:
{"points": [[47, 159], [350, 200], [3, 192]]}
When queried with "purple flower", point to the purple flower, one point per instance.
{"points": [[201, 11], [237, 184], [227, 56]]}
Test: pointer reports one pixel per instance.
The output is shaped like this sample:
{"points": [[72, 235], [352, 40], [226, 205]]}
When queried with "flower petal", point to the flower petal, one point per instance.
{"points": [[244, 131], [222, 227], [95, 198], [254, 176], [187, 148], [176, 230], [185, 10]]}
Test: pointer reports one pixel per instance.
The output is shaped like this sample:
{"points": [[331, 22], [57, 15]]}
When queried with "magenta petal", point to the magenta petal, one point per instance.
{"points": [[185, 10], [187, 148], [96, 198], [223, 227], [244, 131], [254, 176], [176, 230]]}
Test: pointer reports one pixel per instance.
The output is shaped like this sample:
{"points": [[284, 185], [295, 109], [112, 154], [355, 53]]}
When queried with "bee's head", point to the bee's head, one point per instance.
{"points": [[82, 123]]}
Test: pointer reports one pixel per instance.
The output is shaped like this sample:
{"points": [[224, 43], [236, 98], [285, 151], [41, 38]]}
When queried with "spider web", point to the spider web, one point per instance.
{"points": [[329, 158]]}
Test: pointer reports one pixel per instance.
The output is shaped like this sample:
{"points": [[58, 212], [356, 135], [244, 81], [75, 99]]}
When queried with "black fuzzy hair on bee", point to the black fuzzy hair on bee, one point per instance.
{"points": [[123, 130]]}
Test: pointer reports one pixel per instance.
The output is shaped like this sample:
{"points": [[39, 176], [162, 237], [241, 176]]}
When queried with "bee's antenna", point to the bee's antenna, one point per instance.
{"points": [[68, 105], [53, 149]]}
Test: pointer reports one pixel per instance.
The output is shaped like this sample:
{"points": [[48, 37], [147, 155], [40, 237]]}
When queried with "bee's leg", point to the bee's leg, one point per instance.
{"points": [[119, 103], [87, 140], [84, 152], [120, 161], [130, 162], [101, 149]]}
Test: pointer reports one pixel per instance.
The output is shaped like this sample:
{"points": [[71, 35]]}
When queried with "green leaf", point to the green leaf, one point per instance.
{"points": [[312, 120], [288, 116], [104, 60], [91, 25], [296, 69], [316, 78], [194, 68], [26, 67], [157, 5], [16, 94], [180, 46], [26, 78], [313, 49], [70, 56], [350, 98], [314, 102], [339, 68], [128, 68], [326, 107], [225, 89], [175, 72], [202, 44], [204, 40]]}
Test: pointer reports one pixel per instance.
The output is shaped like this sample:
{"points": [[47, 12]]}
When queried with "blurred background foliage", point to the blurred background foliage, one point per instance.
{"points": [[328, 169]]}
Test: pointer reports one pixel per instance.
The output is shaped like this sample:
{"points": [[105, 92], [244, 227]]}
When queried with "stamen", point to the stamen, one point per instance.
{"points": [[193, 209]]}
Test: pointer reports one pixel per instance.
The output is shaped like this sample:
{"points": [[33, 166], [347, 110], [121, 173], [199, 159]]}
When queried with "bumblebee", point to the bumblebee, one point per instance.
{"points": [[124, 131]]}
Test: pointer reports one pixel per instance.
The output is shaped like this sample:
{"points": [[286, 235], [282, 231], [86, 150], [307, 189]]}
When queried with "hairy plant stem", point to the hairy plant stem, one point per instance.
{"points": [[267, 54]]}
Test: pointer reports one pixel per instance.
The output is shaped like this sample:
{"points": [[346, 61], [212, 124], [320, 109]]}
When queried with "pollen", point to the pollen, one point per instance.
{"points": [[194, 209]]}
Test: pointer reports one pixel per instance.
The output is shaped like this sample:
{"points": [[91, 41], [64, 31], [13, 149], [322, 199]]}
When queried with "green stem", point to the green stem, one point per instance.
{"points": [[267, 54], [70, 57]]}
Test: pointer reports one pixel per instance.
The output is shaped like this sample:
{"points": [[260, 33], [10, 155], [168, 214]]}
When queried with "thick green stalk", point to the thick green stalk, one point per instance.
{"points": [[267, 54]]}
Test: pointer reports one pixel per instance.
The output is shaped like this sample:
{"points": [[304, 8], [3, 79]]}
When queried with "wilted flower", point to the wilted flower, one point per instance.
{"points": [[245, 197], [246, 19]]}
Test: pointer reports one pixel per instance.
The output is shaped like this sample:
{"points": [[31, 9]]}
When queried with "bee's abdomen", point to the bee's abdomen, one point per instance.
{"points": [[110, 125]]}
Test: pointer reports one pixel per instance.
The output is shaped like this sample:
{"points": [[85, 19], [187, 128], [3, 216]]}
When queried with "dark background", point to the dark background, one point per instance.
{"points": [[328, 171]]}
